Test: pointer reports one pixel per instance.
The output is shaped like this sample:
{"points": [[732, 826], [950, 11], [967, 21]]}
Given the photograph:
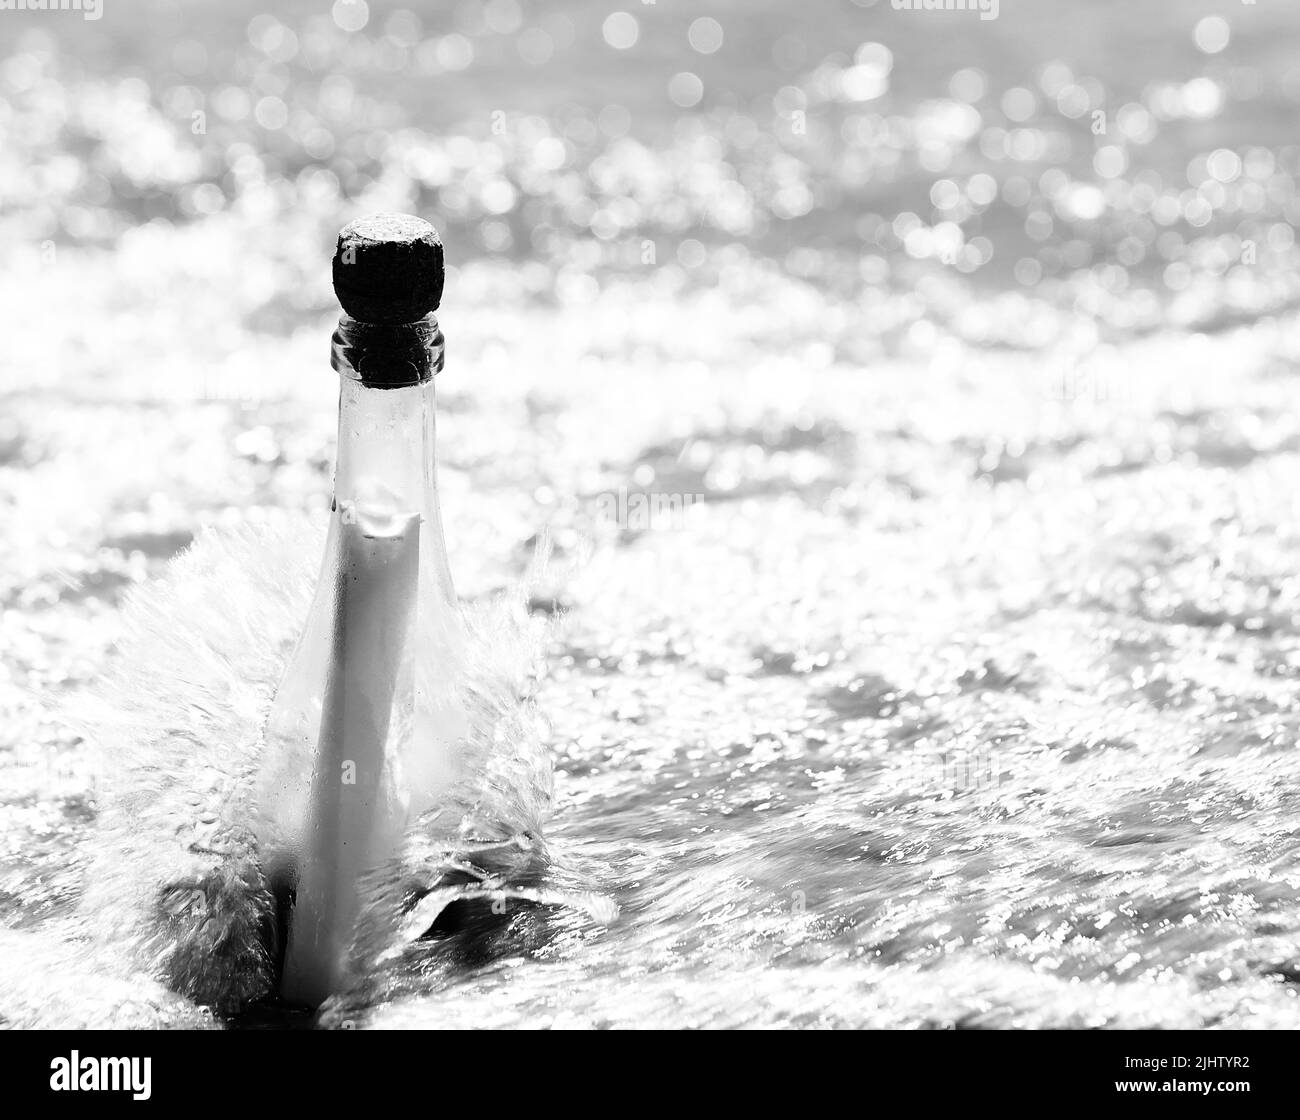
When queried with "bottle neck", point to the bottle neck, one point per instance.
{"points": [[386, 472], [388, 355]]}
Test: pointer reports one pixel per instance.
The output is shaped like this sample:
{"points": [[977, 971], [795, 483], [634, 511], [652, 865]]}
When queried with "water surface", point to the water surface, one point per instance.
{"points": [[954, 681]]}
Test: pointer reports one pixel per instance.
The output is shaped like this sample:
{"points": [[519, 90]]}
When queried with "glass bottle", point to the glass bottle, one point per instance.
{"points": [[364, 730]]}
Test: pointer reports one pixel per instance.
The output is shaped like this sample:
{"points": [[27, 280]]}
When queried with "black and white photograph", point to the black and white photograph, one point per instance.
{"points": [[651, 515]]}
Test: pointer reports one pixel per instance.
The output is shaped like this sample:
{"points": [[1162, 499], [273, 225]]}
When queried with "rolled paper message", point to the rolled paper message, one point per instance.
{"points": [[354, 816]]}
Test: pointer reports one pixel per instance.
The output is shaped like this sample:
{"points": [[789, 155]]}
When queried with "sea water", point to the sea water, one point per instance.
{"points": [[954, 683]]}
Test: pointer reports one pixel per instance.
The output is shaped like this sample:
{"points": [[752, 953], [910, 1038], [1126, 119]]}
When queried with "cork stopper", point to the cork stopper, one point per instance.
{"points": [[388, 268]]}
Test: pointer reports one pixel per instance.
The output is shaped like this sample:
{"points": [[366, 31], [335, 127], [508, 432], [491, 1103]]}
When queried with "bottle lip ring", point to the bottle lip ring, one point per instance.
{"points": [[388, 355]]}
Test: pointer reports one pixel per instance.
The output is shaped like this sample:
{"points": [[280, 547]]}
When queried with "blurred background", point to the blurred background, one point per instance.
{"points": [[838, 184], [969, 343]]}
